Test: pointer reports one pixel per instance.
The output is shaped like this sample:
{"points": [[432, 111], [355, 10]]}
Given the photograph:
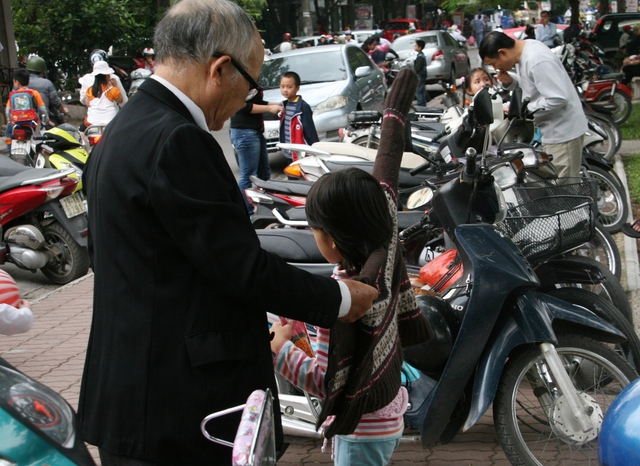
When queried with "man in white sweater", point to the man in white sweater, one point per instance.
{"points": [[553, 98]]}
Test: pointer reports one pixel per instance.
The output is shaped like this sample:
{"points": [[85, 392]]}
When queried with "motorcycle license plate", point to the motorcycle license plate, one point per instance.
{"points": [[73, 205]]}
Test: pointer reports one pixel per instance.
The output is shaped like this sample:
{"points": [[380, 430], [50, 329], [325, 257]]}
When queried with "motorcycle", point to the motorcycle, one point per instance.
{"points": [[138, 76], [539, 360], [63, 147], [618, 443], [598, 81], [21, 146], [38, 425], [45, 225]]}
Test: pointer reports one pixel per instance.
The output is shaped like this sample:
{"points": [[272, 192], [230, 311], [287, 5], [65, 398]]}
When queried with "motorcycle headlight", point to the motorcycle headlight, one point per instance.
{"points": [[332, 103], [37, 405]]}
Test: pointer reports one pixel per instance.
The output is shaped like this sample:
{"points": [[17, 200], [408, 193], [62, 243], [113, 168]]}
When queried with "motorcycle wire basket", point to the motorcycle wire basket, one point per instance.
{"points": [[577, 186], [548, 226]]}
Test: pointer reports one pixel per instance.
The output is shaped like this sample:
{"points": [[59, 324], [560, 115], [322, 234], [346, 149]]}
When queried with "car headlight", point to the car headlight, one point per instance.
{"points": [[332, 103]]}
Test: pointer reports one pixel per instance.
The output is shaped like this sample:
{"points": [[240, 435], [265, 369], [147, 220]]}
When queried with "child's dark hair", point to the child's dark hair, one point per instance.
{"points": [[96, 89], [420, 43], [351, 207], [295, 76], [469, 77], [22, 76]]}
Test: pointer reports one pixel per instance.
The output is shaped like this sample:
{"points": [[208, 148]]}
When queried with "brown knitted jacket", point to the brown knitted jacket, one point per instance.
{"points": [[365, 357]]}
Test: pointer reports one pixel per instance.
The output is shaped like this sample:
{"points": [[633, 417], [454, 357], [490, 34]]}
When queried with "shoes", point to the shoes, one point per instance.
{"points": [[628, 228]]}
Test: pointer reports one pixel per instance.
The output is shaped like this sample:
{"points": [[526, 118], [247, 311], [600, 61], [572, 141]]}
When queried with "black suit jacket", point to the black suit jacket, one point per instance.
{"points": [[181, 289]]}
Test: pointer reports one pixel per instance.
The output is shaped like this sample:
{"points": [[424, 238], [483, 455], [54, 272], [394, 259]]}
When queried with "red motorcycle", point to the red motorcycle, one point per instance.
{"points": [[44, 223], [599, 81]]}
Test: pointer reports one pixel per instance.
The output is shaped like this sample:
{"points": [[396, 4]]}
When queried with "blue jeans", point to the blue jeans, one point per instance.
{"points": [[421, 92], [253, 158], [363, 453]]}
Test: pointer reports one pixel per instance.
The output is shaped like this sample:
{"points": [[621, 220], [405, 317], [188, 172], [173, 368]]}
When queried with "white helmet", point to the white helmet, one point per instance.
{"points": [[148, 51]]}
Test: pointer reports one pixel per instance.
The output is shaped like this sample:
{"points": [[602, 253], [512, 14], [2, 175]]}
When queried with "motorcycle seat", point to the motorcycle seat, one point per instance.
{"points": [[612, 76], [299, 187], [14, 174], [291, 244], [409, 159]]}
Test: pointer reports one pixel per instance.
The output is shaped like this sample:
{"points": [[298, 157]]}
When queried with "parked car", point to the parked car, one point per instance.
{"points": [[447, 60], [607, 31], [400, 27], [335, 80], [518, 33], [300, 42]]}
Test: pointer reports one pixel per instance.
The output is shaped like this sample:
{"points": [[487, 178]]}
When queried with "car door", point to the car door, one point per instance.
{"points": [[371, 89], [458, 54]]}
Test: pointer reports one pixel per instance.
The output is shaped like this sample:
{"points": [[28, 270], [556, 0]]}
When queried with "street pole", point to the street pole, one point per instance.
{"points": [[306, 18]]}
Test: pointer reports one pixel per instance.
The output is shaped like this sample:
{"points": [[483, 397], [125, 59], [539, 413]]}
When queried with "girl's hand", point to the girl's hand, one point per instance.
{"points": [[24, 303], [281, 333]]}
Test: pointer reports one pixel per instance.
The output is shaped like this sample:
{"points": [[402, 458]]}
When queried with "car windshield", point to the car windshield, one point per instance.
{"points": [[398, 25], [408, 42], [317, 67]]}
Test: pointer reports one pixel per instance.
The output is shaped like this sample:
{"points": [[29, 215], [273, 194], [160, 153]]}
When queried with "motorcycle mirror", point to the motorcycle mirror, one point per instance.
{"points": [[515, 106], [420, 198], [483, 107]]}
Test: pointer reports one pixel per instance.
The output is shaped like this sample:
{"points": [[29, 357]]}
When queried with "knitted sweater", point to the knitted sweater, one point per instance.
{"points": [[365, 357]]}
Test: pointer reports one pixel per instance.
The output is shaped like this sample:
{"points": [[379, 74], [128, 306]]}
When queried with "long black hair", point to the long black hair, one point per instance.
{"points": [[351, 207], [96, 89]]}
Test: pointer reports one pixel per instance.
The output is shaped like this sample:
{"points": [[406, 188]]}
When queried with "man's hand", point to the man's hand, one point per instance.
{"points": [[281, 334], [504, 77], [362, 297]]}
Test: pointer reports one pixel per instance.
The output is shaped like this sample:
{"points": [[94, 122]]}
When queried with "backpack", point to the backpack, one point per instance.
{"points": [[23, 106]]}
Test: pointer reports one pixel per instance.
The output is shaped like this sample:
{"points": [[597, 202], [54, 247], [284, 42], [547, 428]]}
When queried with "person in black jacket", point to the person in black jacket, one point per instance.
{"points": [[247, 137], [181, 284], [420, 67]]}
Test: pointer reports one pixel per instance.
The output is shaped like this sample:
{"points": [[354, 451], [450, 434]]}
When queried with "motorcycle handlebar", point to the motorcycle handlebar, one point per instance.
{"points": [[410, 231], [419, 169]]}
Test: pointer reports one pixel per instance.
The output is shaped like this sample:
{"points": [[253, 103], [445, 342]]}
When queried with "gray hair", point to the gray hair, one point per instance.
{"points": [[193, 30]]}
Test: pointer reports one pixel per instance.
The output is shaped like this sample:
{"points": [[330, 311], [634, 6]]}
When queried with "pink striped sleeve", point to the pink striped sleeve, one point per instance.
{"points": [[299, 369]]}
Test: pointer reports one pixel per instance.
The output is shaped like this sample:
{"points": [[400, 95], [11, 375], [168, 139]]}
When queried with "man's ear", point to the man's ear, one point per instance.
{"points": [[217, 67]]}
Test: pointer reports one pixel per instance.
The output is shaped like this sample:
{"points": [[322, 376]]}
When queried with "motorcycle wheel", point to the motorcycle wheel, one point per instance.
{"points": [[603, 249], [612, 200], [608, 121], [623, 101], [630, 349], [72, 259], [607, 147], [610, 289], [529, 429], [363, 141]]}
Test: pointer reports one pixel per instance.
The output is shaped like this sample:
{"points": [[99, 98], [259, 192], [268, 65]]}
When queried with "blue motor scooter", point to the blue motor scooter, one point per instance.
{"points": [[37, 426]]}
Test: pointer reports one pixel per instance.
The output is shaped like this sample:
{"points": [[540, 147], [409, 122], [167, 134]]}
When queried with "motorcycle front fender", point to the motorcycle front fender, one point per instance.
{"points": [[531, 322], [76, 226]]}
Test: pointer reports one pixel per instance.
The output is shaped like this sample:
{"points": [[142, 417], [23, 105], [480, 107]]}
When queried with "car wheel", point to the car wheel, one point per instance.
{"points": [[452, 76]]}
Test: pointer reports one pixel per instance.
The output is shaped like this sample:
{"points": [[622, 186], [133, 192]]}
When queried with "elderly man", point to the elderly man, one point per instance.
{"points": [[555, 104], [181, 284]]}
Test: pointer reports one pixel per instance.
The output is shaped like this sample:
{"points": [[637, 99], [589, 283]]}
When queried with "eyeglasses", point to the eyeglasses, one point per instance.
{"points": [[254, 87]]}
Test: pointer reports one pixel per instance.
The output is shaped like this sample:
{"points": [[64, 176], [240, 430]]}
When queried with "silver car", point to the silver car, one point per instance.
{"points": [[335, 80], [447, 60]]}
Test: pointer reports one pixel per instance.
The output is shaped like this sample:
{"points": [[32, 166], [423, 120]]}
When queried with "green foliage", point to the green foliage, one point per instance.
{"points": [[632, 170], [631, 128], [64, 32], [253, 7]]}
